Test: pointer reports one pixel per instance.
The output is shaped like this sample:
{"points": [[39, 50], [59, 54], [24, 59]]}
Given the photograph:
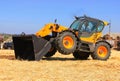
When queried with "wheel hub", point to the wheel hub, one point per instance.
{"points": [[102, 51], [68, 42]]}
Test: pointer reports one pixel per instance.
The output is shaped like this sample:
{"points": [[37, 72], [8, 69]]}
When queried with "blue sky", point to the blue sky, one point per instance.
{"points": [[29, 16]]}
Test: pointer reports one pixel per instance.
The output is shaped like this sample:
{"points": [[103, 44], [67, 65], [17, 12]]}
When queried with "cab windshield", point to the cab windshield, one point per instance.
{"points": [[75, 25]]}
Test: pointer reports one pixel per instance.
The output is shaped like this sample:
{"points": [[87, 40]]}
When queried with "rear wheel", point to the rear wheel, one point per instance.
{"points": [[102, 51], [66, 42], [81, 55]]}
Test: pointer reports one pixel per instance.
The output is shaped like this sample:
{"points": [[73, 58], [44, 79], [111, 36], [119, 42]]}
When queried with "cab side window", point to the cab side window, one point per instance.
{"points": [[100, 27], [88, 26]]}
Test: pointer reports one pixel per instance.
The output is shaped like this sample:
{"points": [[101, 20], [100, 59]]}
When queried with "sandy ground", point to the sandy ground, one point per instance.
{"points": [[59, 68]]}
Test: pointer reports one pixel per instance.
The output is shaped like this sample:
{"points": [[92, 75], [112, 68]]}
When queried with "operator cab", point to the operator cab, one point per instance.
{"points": [[86, 26]]}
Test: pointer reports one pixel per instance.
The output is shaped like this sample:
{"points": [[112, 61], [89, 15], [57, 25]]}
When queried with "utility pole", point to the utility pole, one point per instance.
{"points": [[110, 28]]}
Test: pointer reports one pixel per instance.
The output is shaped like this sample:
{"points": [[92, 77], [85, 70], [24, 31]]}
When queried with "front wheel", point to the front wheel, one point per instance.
{"points": [[66, 42], [51, 52], [102, 51]]}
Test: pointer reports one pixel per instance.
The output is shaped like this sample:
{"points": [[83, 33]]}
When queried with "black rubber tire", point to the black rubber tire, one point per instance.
{"points": [[81, 55], [59, 43], [96, 56], [53, 51]]}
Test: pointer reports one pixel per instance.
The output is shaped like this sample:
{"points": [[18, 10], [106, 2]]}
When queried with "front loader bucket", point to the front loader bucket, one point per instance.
{"points": [[30, 47]]}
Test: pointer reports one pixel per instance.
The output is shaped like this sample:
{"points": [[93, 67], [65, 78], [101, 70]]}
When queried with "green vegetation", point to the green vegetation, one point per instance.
{"points": [[6, 36]]}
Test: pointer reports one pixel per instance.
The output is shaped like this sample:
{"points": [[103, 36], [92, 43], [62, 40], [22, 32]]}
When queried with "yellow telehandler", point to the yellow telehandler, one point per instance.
{"points": [[81, 39]]}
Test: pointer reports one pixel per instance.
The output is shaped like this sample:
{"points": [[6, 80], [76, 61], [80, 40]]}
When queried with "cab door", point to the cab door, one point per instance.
{"points": [[90, 31]]}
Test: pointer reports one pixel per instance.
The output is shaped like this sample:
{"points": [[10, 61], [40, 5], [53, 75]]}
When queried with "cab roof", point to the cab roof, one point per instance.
{"points": [[93, 19]]}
